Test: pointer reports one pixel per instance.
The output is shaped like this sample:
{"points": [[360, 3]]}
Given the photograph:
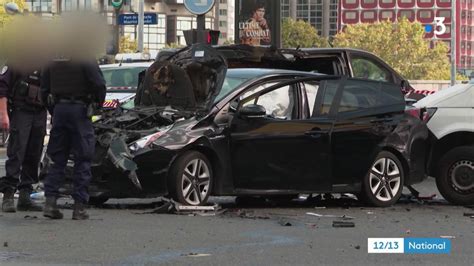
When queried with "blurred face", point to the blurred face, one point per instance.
{"points": [[259, 13]]}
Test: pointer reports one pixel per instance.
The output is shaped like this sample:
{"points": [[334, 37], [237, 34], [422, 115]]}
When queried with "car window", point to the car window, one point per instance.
{"points": [[122, 77], [359, 95], [365, 68], [311, 89], [279, 103], [230, 83]]}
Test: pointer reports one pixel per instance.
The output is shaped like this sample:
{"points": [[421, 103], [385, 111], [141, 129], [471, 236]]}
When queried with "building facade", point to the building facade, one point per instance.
{"points": [[423, 11], [321, 14], [172, 18]]}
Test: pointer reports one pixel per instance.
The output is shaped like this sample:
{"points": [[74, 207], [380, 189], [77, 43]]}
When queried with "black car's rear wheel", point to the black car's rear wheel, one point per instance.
{"points": [[455, 180], [383, 184], [191, 179]]}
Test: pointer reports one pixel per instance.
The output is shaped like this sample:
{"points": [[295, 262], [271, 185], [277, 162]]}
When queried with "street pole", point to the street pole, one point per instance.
{"points": [[453, 42], [141, 22], [201, 26]]}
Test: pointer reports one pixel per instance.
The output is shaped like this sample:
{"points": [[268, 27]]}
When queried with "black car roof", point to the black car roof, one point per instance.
{"points": [[249, 73]]}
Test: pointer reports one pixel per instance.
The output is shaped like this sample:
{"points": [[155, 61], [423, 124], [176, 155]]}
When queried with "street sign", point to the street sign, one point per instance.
{"points": [[132, 19], [199, 7], [117, 4]]}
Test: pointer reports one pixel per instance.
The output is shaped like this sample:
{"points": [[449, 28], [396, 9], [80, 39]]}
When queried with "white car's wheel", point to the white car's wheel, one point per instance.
{"points": [[383, 184], [455, 180]]}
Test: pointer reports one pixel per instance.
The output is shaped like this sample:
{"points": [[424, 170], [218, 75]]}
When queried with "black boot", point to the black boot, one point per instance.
{"points": [[79, 212], [51, 209], [25, 203], [8, 203]]}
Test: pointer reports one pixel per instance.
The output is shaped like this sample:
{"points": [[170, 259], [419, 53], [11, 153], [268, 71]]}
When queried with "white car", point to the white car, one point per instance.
{"points": [[450, 119], [122, 81]]}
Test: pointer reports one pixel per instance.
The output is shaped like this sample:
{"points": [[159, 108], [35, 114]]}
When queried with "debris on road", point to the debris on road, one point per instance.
{"points": [[408, 231], [357, 247], [170, 206], [284, 222], [342, 224], [196, 255], [469, 214], [5, 244], [345, 217], [449, 237], [28, 217]]}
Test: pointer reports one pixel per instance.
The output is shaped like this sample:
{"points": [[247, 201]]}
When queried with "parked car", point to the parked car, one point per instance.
{"points": [[122, 81], [198, 129], [450, 117]]}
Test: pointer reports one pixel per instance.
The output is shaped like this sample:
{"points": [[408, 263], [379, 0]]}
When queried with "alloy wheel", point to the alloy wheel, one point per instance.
{"points": [[195, 181], [385, 179]]}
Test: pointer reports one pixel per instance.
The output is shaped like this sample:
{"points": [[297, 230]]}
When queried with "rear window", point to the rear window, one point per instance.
{"points": [[122, 77]]}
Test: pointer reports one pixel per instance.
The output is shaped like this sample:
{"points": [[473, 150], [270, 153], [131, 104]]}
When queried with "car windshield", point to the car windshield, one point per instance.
{"points": [[122, 77], [230, 84]]}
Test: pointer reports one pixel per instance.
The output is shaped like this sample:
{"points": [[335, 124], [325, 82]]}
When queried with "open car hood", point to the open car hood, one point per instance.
{"points": [[189, 80]]}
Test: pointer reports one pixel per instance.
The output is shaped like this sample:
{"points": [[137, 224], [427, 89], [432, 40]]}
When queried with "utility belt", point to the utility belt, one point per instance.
{"points": [[25, 93], [83, 100]]}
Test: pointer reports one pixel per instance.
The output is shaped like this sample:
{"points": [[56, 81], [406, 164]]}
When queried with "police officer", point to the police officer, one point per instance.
{"points": [[74, 86], [22, 109]]}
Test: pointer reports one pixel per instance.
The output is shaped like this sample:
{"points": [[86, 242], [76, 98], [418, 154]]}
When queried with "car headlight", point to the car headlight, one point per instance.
{"points": [[146, 141]]}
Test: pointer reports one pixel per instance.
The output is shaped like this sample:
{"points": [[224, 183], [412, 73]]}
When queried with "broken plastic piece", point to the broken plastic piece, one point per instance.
{"points": [[342, 224], [346, 217]]}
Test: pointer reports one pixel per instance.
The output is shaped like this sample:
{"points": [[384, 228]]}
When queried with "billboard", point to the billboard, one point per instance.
{"points": [[257, 22]]}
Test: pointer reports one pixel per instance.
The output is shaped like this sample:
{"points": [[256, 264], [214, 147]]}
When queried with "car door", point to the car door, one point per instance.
{"points": [[367, 112], [285, 149]]}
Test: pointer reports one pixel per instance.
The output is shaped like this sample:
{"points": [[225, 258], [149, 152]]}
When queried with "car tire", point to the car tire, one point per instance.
{"points": [[455, 180], [97, 201], [383, 186], [191, 179]]}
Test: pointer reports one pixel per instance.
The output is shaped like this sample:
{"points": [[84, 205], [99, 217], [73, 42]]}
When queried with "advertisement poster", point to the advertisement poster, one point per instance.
{"points": [[257, 22]]}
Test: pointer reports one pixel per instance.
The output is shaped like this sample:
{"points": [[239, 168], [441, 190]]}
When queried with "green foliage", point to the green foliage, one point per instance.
{"points": [[298, 33], [127, 45], [401, 45], [4, 17]]}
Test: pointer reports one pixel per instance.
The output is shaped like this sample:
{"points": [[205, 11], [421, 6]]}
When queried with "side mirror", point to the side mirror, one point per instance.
{"points": [[252, 111]]}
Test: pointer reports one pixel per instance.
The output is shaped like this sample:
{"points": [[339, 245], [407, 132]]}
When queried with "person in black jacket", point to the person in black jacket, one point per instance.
{"points": [[23, 112], [72, 87]]}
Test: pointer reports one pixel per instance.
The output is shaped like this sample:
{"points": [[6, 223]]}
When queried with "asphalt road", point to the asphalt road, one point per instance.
{"points": [[248, 233]]}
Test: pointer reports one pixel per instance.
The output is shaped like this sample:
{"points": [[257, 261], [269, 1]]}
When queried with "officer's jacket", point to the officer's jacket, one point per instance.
{"points": [[21, 89], [74, 79]]}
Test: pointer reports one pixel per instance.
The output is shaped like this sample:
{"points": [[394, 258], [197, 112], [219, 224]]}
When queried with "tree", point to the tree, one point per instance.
{"points": [[298, 33], [401, 45], [127, 45], [4, 16]]}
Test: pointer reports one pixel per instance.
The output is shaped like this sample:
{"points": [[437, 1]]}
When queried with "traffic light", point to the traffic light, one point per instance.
{"points": [[213, 37], [208, 36]]}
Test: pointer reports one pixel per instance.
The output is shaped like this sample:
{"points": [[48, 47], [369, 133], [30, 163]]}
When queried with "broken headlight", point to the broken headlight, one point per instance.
{"points": [[146, 141]]}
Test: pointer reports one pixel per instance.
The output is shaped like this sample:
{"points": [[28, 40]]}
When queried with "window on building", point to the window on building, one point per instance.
{"points": [[222, 12], [223, 1], [39, 5], [425, 13], [444, 13], [350, 15], [368, 1], [463, 45], [409, 14], [154, 36], [387, 14], [368, 15], [223, 24], [388, 1], [351, 2]]}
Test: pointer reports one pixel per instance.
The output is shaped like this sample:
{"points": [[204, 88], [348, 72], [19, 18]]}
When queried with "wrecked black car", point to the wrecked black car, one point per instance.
{"points": [[199, 129]]}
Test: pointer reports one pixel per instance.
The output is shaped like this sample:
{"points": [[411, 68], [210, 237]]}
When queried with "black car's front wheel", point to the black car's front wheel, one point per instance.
{"points": [[191, 179], [383, 184]]}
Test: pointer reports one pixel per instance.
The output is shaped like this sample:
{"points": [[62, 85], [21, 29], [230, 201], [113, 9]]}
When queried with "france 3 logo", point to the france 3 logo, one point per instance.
{"points": [[439, 27]]}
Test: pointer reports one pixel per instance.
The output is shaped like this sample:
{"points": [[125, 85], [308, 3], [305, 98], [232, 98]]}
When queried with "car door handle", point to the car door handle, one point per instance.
{"points": [[314, 133]]}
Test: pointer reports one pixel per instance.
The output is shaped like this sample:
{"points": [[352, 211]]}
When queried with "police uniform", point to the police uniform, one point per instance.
{"points": [[73, 86], [27, 116]]}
